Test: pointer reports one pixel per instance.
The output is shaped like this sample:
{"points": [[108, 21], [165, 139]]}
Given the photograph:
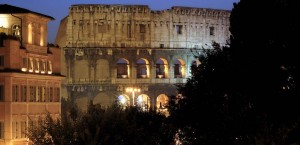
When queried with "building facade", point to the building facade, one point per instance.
{"points": [[132, 54], [30, 78]]}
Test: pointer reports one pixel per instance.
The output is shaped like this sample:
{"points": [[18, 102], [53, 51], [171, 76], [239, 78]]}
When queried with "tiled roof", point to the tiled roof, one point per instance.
{"points": [[9, 9]]}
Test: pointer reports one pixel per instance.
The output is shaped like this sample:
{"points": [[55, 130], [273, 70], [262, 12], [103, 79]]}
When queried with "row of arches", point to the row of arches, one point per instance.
{"points": [[143, 68], [143, 102]]}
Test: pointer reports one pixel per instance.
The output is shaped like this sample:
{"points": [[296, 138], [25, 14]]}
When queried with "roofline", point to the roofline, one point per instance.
{"points": [[23, 11]]}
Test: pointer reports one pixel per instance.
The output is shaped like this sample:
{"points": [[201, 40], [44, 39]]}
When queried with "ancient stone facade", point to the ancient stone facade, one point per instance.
{"points": [[111, 49]]}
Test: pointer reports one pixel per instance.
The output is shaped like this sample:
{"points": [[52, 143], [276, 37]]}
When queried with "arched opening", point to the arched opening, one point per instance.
{"points": [[179, 68], [123, 100], [161, 104], [143, 102], [16, 30], [161, 68], [123, 68], [143, 68]]}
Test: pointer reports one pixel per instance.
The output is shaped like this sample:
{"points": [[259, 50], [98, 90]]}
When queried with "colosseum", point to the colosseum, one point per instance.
{"points": [[132, 54]]}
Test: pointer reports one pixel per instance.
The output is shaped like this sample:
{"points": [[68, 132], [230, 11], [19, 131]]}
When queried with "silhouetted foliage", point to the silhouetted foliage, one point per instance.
{"points": [[247, 93], [114, 125], [267, 65]]}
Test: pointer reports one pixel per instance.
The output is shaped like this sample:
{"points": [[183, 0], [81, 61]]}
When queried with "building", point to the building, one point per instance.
{"points": [[133, 54], [30, 78]]}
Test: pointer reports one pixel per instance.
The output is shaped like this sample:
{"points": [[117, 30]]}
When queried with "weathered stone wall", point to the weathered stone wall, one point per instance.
{"points": [[98, 36]]}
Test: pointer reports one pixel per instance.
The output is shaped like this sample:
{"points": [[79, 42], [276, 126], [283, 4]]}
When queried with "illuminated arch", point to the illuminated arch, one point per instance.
{"points": [[123, 100], [123, 69], [161, 104], [143, 102], [162, 68], [179, 68], [143, 68]]}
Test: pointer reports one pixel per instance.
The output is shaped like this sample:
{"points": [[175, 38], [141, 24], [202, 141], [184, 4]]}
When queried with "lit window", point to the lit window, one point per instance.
{"points": [[43, 66], [16, 30], [24, 64], [49, 67], [37, 66], [30, 64]]}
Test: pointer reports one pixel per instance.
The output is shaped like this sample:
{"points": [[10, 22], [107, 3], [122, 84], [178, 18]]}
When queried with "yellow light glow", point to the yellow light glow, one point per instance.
{"points": [[29, 33], [3, 21], [42, 37], [24, 69]]}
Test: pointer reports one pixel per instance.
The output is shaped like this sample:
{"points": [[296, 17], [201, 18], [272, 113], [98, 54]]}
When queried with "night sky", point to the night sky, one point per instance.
{"points": [[59, 8]]}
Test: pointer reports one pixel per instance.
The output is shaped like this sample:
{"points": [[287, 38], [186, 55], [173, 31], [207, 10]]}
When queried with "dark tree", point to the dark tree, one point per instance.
{"points": [[97, 125], [266, 64], [247, 93]]}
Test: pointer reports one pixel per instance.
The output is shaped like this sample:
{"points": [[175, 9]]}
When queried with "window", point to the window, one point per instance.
{"points": [[1, 129], [161, 46], [16, 30], [122, 68], [32, 93], [49, 67], [23, 129], [43, 94], [30, 64], [42, 66], [51, 94], [24, 64], [57, 94], [23, 93], [142, 28], [37, 94], [1, 61], [179, 29], [15, 93], [211, 31], [128, 30], [36, 65], [14, 129], [1, 92], [74, 22]]}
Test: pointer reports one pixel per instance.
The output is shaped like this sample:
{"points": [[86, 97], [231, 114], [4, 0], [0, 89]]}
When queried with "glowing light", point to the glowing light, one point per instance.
{"points": [[3, 22], [24, 69], [29, 33], [133, 90], [122, 99]]}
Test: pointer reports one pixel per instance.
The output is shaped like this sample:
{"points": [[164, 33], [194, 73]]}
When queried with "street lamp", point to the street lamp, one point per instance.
{"points": [[133, 90]]}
